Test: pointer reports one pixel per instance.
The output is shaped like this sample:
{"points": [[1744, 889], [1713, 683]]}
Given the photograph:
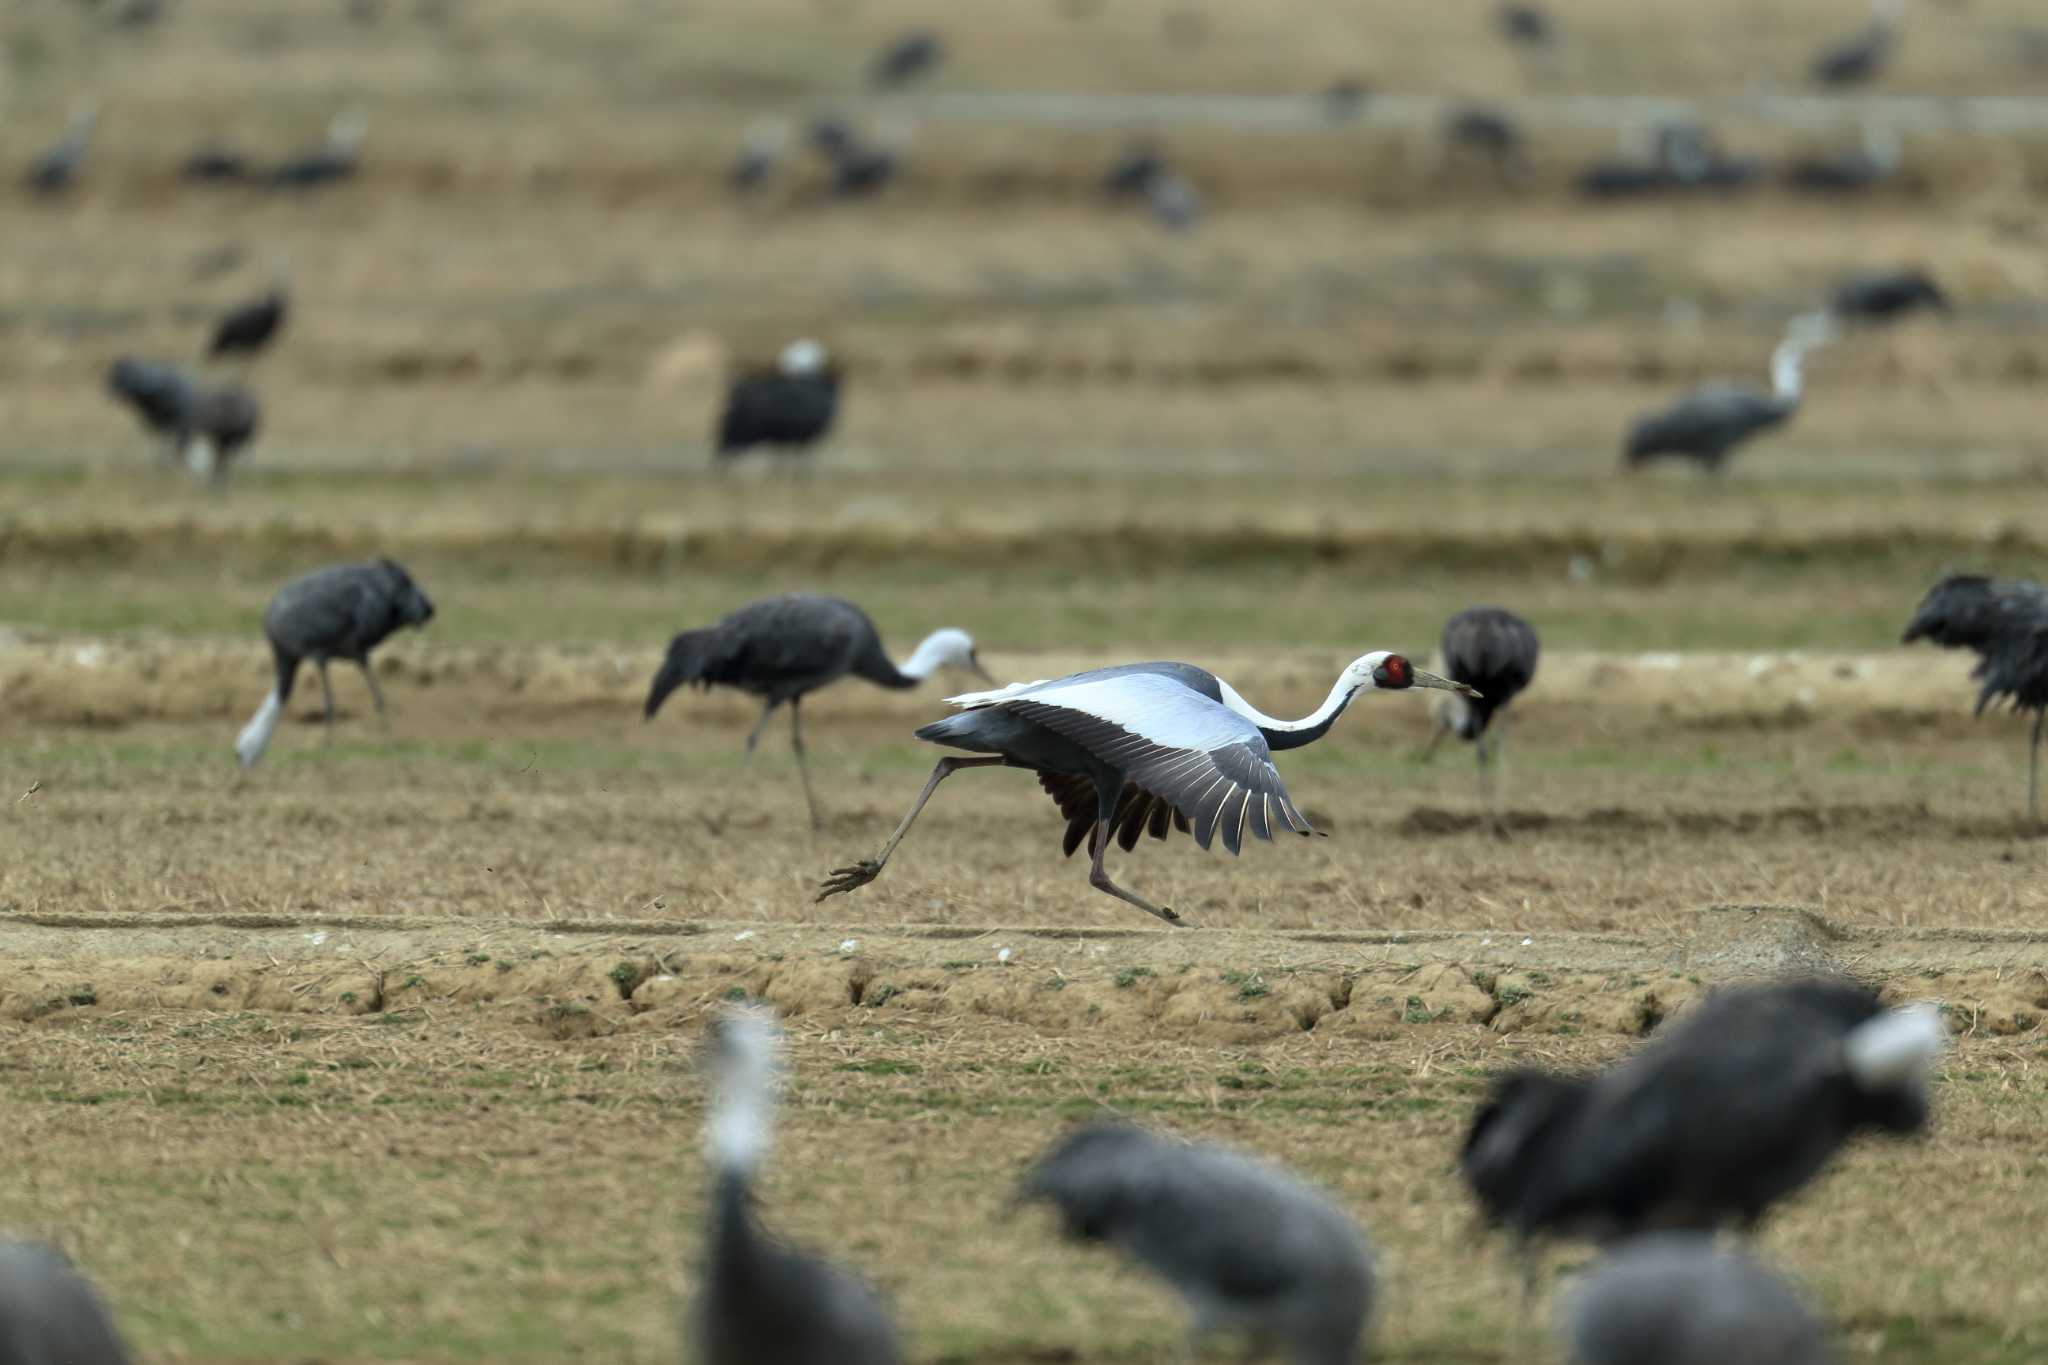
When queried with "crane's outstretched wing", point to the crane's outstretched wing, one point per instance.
{"points": [[1208, 764]]}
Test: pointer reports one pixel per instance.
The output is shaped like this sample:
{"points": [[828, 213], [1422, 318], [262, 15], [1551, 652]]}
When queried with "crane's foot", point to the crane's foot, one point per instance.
{"points": [[848, 878]]}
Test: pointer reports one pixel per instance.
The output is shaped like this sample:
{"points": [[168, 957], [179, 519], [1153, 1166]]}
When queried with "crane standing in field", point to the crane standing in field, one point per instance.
{"points": [[249, 327], [1677, 1299], [1859, 59], [781, 649], [1124, 750], [1886, 295], [1248, 1247], [1712, 420], [762, 1303], [56, 170], [206, 424], [789, 408], [2005, 623], [1494, 651], [50, 1314], [340, 612]]}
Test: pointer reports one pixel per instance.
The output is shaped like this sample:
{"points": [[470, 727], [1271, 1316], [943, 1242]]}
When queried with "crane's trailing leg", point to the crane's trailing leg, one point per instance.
{"points": [[754, 735], [376, 692], [327, 692], [853, 875], [796, 743]]}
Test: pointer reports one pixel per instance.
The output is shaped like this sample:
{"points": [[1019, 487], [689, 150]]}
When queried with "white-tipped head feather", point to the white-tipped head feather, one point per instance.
{"points": [[746, 1053], [1896, 1048], [255, 736], [803, 356]]}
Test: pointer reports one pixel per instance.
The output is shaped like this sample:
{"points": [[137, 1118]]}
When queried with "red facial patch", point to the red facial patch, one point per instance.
{"points": [[1393, 673]]}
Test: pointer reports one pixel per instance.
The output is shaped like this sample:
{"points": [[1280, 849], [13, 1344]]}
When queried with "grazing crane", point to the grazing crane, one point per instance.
{"points": [[206, 425], [913, 55], [57, 169], [50, 1314], [1529, 25], [759, 155], [788, 408], [249, 327], [341, 612], [781, 649], [1849, 172], [1249, 1248], [1494, 651], [761, 1302], [1682, 155], [1726, 1111], [215, 164], [2005, 624], [1858, 59], [1712, 420], [1492, 134], [1124, 750], [334, 160], [1886, 295], [1677, 1299]]}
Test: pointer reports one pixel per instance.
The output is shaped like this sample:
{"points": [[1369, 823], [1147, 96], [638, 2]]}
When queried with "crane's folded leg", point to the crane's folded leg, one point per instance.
{"points": [[796, 743], [853, 875]]}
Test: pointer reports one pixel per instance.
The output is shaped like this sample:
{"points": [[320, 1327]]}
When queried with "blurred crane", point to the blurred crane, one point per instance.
{"points": [[761, 1302], [50, 1314], [1526, 24], [1248, 1248], [206, 425], [1124, 750], [1886, 295], [1875, 160], [2005, 624], [340, 612], [1859, 59], [1711, 421], [334, 160], [1493, 651], [911, 56], [781, 649], [57, 169], [1676, 1298], [788, 408], [248, 328]]}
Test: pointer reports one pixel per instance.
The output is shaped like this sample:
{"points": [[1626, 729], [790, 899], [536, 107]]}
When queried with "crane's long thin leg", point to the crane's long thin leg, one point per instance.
{"points": [[1429, 749], [754, 735], [796, 742], [327, 691], [1500, 773], [853, 875], [1098, 845], [2034, 771], [376, 692]]}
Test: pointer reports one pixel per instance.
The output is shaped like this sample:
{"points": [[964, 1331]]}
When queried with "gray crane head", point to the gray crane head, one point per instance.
{"points": [[1385, 671], [414, 606]]}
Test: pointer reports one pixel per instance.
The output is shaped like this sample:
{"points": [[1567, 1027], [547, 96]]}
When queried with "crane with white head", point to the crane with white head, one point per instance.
{"points": [[1124, 751], [1711, 421]]}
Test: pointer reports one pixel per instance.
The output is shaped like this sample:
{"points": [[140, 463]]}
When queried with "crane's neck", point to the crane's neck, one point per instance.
{"points": [[922, 663], [1786, 365], [1292, 734]]}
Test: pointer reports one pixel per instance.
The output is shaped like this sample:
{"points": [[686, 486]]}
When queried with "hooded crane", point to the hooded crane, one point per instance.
{"points": [[914, 54], [781, 649], [760, 1302], [1678, 1299], [1712, 420], [1124, 750], [1881, 296], [1249, 1248], [1529, 25], [57, 169], [2005, 624], [789, 408], [206, 424], [249, 327], [1493, 650], [1733, 1107], [1858, 59], [332, 161], [341, 612], [50, 1314], [1870, 163]]}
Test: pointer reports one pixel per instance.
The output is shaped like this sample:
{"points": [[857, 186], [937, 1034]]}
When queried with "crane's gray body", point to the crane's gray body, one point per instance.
{"points": [[1676, 1299], [763, 1303], [1495, 651], [779, 649], [216, 419], [50, 1314], [247, 328], [1886, 295], [1708, 423], [1249, 1248]]}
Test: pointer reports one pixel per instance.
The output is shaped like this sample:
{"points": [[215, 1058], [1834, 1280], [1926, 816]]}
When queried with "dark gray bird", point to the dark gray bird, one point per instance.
{"points": [[1862, 57], [214, 164], [1493, 651], [1726, 1111], [1675, 1298], [206, 425], [341, 612], [335, 160], [1175, 203], [1886, 296], [2005, 624], [759, 156], [1489, 133], [56, 170], [50, 1314], [1715, 418], [1681, 156], [1851, 171], [1134, 170], [761, 1302], [1250, 1249], [781, 649], [915, 54], [1343, 98], [832, 135], [1529, 25], [789, 408], [864, 169], [1122, 751], [249, 327]]}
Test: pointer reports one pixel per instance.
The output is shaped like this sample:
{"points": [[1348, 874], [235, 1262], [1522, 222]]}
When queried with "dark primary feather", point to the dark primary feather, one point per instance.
{"points": [[249, 327], [1246, 1245], [341, 612], [1736, 1105], [1881, 296], [778, 649], [1675, 1298], [50, 1314], [1706, 424], [770, 408], [1493, 650], [2003, 622]]}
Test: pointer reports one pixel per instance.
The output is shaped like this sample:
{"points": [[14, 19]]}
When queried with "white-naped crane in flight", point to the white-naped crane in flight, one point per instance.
{"points": [[1126, 750]]}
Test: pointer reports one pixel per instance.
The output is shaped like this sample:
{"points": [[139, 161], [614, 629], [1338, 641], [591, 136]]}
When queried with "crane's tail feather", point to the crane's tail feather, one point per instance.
{"points": [[747, 1051], [1896, 1048], [255, 736]]}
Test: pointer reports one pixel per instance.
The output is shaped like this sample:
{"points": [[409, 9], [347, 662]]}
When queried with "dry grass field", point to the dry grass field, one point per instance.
{"points": [[385, 1050]]}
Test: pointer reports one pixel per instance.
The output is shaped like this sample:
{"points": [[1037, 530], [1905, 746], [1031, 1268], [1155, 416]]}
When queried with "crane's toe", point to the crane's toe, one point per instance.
{"points": [[844, 879]]}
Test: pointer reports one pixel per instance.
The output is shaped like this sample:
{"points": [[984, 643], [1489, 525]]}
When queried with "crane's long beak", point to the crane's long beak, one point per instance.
{"points": [[974, 667], [1423, 678]]}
